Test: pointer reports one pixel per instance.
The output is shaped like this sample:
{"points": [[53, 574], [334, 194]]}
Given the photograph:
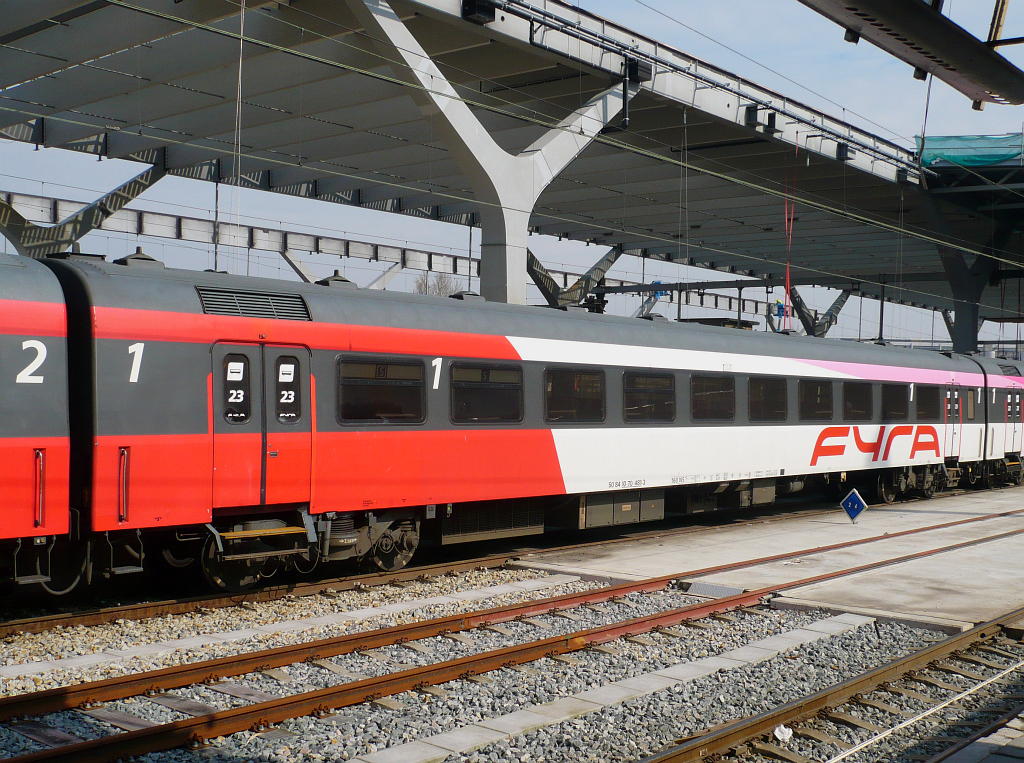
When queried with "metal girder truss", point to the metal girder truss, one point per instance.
{"points": [[647, 306], [557, 296], [814, 324], [38, 241]]}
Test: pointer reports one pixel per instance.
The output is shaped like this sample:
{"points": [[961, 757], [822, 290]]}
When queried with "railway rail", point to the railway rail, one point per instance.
{"points": [[750, 734], [185, 605], [323, 701]]}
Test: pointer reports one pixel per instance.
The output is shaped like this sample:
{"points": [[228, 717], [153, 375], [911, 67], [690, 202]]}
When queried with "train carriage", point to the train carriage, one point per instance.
{"points": [[34, 443], [242, 424]]}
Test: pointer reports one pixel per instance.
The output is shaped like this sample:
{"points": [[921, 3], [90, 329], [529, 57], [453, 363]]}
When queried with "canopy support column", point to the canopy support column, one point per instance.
{"points": [[506, 187]]}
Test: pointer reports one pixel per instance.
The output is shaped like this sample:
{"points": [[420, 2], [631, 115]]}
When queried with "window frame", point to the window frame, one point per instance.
{"points": [[297, 382], [453, 385], [729, 377], [651, 373], [906, 400], [940, 413], [832, 399], [871, 400], [248, 388], [785, 399], [380, 360], [576, 369]]}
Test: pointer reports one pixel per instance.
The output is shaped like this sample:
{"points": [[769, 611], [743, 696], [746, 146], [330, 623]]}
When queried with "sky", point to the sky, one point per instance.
{"points": [[780, 44]]}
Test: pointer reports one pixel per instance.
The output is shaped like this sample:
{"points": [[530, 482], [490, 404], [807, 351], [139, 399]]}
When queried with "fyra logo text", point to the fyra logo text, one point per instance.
{"points": [[833, 441]]}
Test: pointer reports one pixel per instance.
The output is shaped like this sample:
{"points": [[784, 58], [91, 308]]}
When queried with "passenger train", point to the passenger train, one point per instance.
{"points": [[245, 425]]}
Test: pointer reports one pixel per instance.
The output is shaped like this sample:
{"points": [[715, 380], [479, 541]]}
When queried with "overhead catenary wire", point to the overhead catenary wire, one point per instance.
{"points": [[767, 68], [758, 259], [754, 186], [627, 147], [605, 139]]}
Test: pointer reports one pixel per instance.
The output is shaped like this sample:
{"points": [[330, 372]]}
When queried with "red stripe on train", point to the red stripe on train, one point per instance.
{"points": [[20, 499], [161, 326], [170, 480], [32, 318], [376, 470]]}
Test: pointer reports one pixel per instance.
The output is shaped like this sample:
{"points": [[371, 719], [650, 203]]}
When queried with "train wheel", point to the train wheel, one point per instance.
{"points": [[393, 549], [176, 561], [885, 488], [69, 564], [235, 575]]}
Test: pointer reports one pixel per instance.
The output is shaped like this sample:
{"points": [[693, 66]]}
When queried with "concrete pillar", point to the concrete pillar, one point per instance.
{"points": [[966, 282], [506, 187]]}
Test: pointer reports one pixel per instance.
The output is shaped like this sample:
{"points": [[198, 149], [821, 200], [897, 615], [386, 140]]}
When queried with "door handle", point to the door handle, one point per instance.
{"points": [[272, 453], [40, 485]]}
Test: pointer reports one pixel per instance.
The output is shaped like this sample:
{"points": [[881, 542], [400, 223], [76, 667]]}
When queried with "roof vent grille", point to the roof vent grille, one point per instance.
{"points": [[253, 304], [1008, 370]]}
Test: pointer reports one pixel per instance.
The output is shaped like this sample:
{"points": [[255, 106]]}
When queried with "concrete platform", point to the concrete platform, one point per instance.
{"points": [[950, 591], [1004, 746]]}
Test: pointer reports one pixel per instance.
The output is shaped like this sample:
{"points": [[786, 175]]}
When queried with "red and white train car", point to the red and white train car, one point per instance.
{"points": [[244, 424]]}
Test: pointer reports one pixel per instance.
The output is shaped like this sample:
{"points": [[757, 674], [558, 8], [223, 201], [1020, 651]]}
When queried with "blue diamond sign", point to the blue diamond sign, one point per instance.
{"points": [[853, 505]]}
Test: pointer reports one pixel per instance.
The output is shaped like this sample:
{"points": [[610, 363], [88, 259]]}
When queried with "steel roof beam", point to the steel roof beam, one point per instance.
{"points": [[566, 32], [918, 33]]}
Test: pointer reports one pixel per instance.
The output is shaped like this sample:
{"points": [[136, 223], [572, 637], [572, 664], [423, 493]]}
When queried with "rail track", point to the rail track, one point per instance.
{"points": [[261, 714], [147, 609], [755, 734]]}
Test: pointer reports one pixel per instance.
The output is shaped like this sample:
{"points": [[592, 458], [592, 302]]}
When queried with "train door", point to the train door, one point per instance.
{"points": [[289, 431], [1013, 420], [954, 421], [262, 429]]}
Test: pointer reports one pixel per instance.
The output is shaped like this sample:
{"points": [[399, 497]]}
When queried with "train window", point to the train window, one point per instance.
{"points": [[895, 402], [713, 398], [766, 399], [382, 391], [648, 396], [857, 403], [288, 391], [237, 402], [969, 398], [815, 400], [573, 394], [486, 394], [928, 403]]}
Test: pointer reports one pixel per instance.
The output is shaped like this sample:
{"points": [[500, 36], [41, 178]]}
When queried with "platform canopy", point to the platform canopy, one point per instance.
{"points": [[916, 32], [712, 170]]}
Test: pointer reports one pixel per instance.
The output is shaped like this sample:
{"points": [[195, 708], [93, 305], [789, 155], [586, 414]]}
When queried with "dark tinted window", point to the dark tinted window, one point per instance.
{"points": [[648, 397], [969, 396], [482, 394], [895, 401], [815, 400], [289, 400], [713, 398], [929, 402], [857, 404], [384, 391], [572, 394], [767, 399], [237, 403]]}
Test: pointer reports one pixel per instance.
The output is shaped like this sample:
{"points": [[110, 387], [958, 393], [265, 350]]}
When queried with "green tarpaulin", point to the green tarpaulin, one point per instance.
{"points": [[971, 150]]}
